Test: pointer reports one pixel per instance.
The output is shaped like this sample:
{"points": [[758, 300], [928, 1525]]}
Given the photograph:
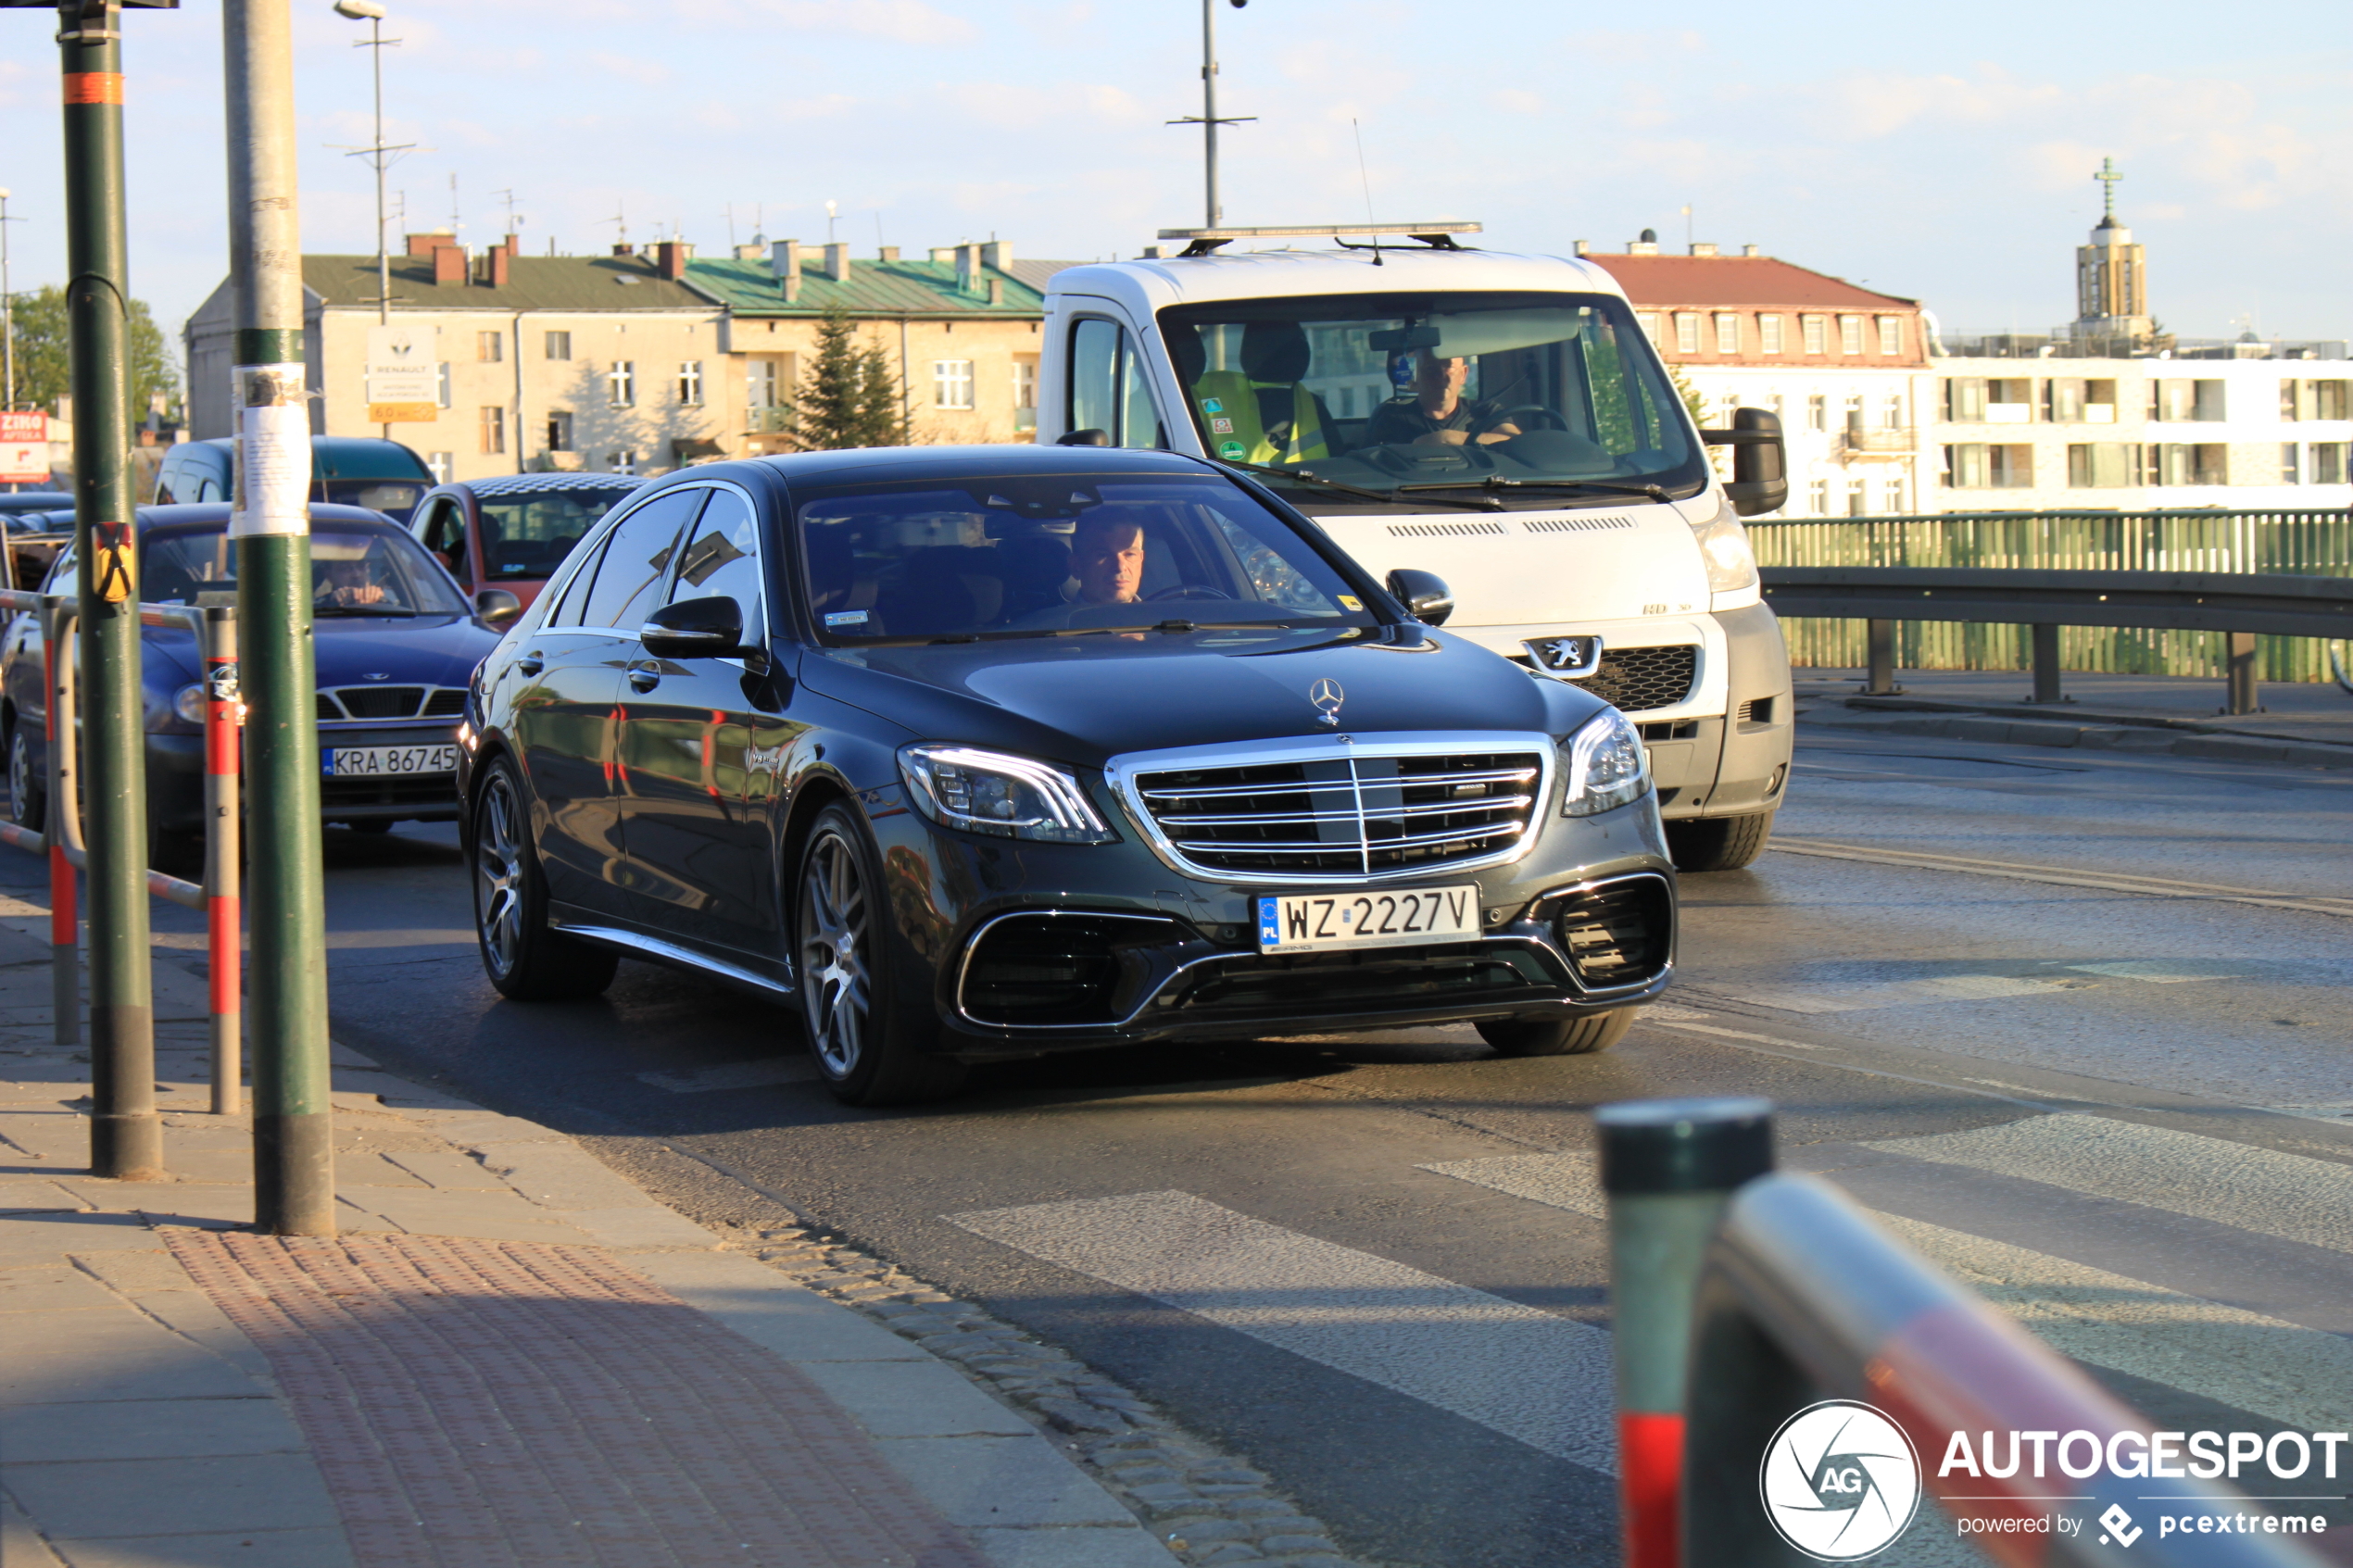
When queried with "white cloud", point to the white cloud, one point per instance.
{"points": [[901, 21]]}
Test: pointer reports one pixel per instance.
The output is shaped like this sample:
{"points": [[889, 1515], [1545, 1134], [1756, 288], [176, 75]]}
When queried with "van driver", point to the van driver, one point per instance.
{"points": [[1437, 414]]}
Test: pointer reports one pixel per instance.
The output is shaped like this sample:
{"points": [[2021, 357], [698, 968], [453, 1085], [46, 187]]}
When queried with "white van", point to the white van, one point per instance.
{"points": [[1498, 420]]}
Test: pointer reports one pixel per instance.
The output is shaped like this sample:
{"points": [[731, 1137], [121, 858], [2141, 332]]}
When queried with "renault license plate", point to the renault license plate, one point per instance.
{"points": [[387, 762], [1319, 922]]}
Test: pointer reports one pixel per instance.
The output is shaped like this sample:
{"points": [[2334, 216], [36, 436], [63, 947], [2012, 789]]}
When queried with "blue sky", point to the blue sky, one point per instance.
{"points": [[1943, 152]]}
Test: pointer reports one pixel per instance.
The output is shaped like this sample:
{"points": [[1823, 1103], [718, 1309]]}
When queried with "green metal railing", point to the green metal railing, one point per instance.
{"points": [[2317, 544]]}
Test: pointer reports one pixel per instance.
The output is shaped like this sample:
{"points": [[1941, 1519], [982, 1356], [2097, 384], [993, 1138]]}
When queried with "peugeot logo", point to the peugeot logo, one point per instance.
{"points": [[1327, 697]]}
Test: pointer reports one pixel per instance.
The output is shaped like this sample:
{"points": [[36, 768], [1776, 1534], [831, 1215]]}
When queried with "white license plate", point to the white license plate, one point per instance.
{"points": [[1317, 923], [387, 762]]}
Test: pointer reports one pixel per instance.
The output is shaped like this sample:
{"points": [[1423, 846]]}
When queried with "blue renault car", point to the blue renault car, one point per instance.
{"points": [[395, 643]]}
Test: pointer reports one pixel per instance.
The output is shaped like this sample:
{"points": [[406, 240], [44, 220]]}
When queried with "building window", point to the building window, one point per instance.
{"points": [[1850, 334], [2291, 470], [490, 348], [2101, 465], [2329, 464], [1817, 412], [1818, 497], [494, 432], [1891, 413], [2175, 400], [1649, 321], [1965, 399], [690, 384], [559, 431], [2176, 462], [2010, 401], [1817, 333], [1768, 333], [1857, 497], [622, 463], [1686, 332], [441, 392], [621, 385], [441, 463], [559, 345], [1896, 496], [1728, 333], [951, 384], [1973, 465], [1891, 335], [1025, 393]]}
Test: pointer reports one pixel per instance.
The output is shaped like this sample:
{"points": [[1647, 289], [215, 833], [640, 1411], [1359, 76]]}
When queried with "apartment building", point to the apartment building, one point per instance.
{"points": [[1843, 366]]}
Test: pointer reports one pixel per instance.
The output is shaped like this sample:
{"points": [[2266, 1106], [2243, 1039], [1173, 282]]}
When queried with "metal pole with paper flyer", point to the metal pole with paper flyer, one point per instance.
{"points": [[292, 1142]]}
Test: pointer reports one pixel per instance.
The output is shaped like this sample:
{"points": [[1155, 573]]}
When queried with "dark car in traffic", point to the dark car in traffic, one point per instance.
{"points": [[347, 471], [987, 752], [394, 641], [512, 531]]}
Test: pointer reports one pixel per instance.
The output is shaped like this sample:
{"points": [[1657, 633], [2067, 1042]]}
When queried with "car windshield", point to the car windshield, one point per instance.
{"points": [[356, 571], [1033, 555], [1384, 390], [394, 497], [527, 535]]}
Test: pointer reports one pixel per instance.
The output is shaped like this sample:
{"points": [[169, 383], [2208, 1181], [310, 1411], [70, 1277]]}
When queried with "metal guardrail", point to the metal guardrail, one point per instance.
{"points": [[2240, 604], [1744, 1300], [217, 896]]}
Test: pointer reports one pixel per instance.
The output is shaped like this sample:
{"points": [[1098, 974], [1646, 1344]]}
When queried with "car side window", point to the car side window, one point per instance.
{"points": [[1108, 390], [722, 556], [635, 557], [445, 536]]}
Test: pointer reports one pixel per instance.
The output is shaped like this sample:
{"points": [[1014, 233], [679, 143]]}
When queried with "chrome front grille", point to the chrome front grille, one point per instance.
{"points": [[339, 704], [1336, 811]]}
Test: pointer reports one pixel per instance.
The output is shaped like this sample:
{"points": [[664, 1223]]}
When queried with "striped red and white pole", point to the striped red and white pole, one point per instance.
{"points": [[224, 930], [65, 913], [1669, 1167]]}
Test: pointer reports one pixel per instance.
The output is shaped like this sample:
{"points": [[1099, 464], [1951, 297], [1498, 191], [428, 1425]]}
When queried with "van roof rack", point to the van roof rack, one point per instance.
{"points": [[1437, 236]]}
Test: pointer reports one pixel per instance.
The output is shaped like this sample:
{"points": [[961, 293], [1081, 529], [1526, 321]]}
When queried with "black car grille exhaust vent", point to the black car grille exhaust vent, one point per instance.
{"points": [[1056, 969], [1633, 679], [1617, 933], [381, 702]]}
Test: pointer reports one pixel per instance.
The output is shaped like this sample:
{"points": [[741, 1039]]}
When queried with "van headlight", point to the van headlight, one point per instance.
{"points": [[1002, 796], [1723, 546], [1607, 766]]}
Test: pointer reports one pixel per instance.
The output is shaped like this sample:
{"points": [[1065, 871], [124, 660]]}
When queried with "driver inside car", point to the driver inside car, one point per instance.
{"points": [[1107, 560], [1436, 413], [347, 583]]}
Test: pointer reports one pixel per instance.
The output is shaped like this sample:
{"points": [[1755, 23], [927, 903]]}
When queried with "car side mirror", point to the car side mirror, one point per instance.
{"points": [[496, 608], [1084, 438], [711, 628], [1760, 463], [1423, 592]]}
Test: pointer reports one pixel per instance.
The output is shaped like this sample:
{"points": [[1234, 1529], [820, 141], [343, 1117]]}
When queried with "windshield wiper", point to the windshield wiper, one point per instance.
{"points": [[363, 610], [1391, 497], [1497, 482]]}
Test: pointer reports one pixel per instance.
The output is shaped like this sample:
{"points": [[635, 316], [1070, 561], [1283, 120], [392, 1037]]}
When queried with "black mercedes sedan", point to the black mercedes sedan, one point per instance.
{"points": [[986, 752]]}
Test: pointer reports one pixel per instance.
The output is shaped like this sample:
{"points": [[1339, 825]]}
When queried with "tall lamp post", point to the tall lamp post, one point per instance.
{"points": [[7, 309], [1209, 119], [376, 153]]}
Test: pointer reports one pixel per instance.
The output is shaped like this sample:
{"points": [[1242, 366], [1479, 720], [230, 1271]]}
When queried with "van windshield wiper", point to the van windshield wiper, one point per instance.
{"points": [[1392, 497], [1497, 482]]}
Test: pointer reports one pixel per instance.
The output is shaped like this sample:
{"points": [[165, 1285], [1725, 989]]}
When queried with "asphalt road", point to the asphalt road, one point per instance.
{"points": [[2074, 1026]]}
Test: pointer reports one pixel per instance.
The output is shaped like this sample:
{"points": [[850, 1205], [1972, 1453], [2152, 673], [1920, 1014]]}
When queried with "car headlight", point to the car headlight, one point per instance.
{"points": [[188, 702], [989, 792], [1607, 766], [1723, 546]]}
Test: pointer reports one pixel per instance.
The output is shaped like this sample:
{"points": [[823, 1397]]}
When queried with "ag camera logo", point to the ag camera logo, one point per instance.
{"points": [[1840, 1481]]}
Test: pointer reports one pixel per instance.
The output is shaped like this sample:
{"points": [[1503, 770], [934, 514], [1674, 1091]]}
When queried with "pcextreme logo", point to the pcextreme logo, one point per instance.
{"points": [[1840, 1481]]}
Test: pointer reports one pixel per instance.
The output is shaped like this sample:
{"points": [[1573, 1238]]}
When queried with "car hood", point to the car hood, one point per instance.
{"points": [[438, 650], [1084, 700]]}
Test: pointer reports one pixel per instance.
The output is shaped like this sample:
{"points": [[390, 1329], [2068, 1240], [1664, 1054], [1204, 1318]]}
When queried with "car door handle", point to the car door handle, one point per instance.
{"points": [[644, 677], [531, 663]]}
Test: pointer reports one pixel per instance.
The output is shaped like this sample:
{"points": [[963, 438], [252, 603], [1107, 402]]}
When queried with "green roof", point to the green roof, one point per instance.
{"points": [[873, 288], [533, 282]]}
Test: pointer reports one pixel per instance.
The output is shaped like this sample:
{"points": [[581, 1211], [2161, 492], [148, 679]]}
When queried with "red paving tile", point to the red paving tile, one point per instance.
{"points": [[488, 1404]]}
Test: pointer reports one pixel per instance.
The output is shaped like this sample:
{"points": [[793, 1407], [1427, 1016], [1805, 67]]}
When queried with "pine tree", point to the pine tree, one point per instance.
{"points": [[848, 396]]}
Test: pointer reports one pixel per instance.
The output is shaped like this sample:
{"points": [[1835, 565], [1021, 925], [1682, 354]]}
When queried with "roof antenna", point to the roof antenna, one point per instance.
{"points": [[1367, 180]]}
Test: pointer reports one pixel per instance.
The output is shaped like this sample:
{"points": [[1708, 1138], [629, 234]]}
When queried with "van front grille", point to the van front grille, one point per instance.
{"points": [[1359, 812], [1631, 680]]}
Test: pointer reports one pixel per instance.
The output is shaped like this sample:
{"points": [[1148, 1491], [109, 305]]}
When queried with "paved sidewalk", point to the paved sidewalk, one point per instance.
{"points": [[511, 1358]]}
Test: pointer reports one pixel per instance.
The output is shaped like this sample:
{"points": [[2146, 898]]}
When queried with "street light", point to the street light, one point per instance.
{"points": [[1208, 119], [8, 312], [373, 14]]}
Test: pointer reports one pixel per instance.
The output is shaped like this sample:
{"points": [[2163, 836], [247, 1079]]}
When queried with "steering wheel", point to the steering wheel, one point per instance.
{"points": [[1186, 591], [1545, 419]]}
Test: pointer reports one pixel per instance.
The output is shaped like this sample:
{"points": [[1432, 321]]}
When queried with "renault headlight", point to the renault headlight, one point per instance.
{"points": [[1003, 797], [1723, 546], [1607, 766]]}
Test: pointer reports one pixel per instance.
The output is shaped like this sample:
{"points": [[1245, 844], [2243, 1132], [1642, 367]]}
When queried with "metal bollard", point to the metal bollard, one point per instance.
{"points": [[224, 931], [1878, 638], [2046, 665], [1669, 1167], [64, 892]]}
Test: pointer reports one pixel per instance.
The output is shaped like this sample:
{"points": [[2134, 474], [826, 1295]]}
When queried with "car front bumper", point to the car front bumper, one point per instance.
{"points": [[175, 779]]}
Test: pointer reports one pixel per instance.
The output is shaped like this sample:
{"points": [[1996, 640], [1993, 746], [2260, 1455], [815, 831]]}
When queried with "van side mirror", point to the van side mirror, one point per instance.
{"points": [[711, 628], [1760, 463], [1423, 592], [1084, 438], [496, 608]]}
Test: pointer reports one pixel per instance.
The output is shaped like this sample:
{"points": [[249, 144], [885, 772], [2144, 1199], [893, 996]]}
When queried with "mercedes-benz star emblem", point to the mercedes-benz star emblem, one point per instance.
{"points": [[1327, 697]]}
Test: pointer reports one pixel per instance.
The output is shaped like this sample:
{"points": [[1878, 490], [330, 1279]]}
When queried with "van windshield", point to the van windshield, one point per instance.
{"points": [[1388, 390]]}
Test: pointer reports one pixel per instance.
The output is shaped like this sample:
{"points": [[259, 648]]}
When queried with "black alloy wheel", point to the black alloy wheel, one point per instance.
{"points": [[869, 1052], [526, 958], [1567, 1036], [28, 789]]}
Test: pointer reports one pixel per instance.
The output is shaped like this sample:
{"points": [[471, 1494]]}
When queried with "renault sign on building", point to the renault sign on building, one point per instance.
{"points": [[404, 375]]}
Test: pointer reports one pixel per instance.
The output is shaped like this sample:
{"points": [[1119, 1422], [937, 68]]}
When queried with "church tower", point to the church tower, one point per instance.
{"points": [[2112, 275]]}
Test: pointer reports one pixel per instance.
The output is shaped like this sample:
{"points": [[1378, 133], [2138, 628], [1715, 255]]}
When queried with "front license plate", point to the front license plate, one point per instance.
{"points": [[1317, 923], [387, 762]]}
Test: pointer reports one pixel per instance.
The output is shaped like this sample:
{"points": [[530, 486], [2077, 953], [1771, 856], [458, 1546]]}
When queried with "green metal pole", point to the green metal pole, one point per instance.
{"points": [[293, 1133], [126, 1135]]}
